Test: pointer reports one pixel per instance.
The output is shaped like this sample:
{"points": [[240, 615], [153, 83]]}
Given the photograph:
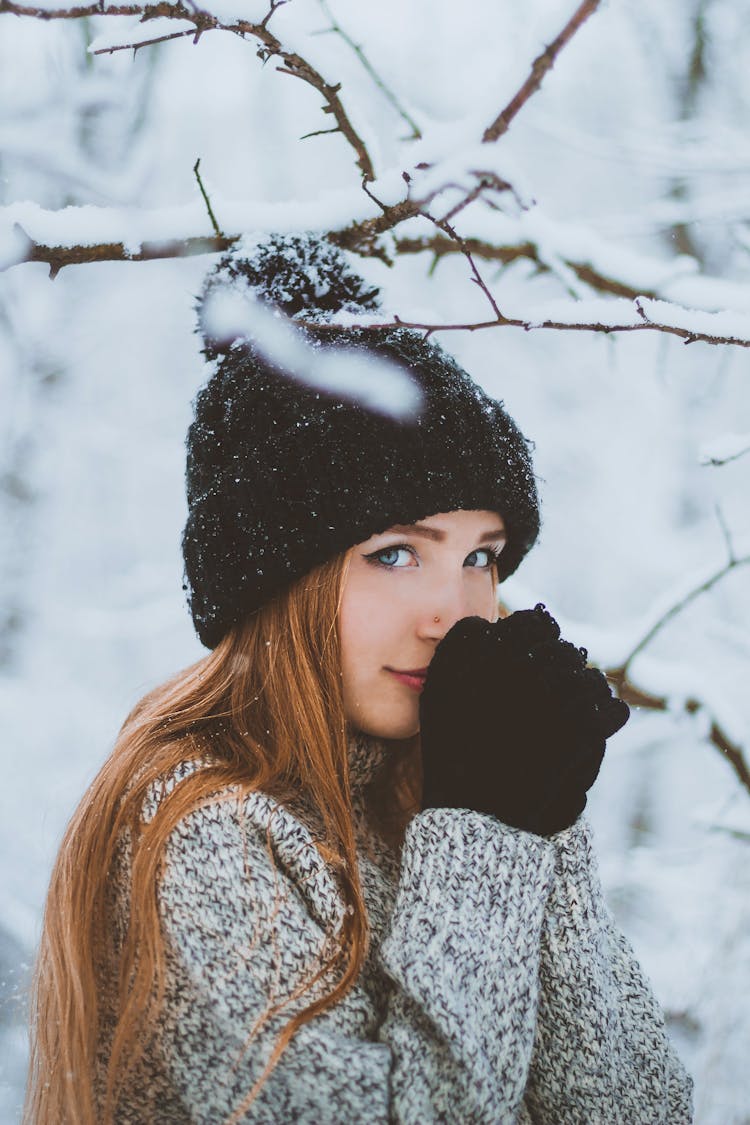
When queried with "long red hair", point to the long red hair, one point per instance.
{"points": [[266, 708]]}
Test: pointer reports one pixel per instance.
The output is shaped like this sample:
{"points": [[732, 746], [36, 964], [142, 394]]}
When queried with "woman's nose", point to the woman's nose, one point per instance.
{"points": [[440, 612]]}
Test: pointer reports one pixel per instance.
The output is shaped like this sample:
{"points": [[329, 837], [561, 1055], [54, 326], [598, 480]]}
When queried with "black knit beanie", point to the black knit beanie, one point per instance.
{"points": [[281, 476]]}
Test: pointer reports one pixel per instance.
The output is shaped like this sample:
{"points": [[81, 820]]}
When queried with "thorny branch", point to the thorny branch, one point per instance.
{"points": [[270, 47], [539, 68], [689, 336]]}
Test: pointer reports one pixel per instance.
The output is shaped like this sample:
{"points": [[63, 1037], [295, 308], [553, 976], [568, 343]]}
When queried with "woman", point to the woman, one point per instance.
{"points": [[337, 871]]}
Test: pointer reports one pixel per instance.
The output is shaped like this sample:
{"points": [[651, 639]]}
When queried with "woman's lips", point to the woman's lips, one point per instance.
{"points": [[416, 683]]}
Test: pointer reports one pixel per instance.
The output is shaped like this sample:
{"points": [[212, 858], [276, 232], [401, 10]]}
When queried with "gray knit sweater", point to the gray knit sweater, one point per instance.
{"points": [[497, 988]]}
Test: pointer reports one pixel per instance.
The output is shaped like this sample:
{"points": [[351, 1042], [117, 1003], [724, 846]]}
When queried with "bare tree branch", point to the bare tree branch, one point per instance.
{"points": [[627, 690], [57, 257], [204, 21], [682, 604], [539, 68]]}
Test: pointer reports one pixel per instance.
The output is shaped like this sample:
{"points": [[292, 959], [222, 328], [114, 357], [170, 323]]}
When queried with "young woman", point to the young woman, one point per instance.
{"points": [[338, 870]]}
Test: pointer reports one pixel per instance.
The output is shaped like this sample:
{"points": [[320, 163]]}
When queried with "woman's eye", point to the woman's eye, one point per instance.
{"points": [[380, 558], [490, 557]]}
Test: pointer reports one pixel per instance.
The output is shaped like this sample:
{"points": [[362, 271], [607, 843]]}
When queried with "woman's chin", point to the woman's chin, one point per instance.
{"points": [[395, 729]]}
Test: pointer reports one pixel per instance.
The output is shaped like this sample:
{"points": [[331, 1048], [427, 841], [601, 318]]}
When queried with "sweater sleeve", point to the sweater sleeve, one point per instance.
{"points": [[602, 1053], [461, 959]]}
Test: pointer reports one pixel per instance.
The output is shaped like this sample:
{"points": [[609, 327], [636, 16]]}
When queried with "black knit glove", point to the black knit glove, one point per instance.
{"points": [[513, 723]]}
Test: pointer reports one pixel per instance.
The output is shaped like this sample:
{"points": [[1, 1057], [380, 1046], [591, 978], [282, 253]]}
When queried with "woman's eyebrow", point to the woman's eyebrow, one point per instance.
{"points": [[434, 533]]}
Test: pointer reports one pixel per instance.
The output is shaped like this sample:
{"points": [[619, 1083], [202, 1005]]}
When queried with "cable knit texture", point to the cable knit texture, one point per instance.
{"points": [[497, 988]]}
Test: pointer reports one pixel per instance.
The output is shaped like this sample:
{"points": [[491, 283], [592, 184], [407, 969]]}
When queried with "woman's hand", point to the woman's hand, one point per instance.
{"points": [[513, 723]]}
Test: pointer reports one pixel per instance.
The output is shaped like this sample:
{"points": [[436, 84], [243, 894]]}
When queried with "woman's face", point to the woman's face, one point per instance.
{"points": [[398, 582]]}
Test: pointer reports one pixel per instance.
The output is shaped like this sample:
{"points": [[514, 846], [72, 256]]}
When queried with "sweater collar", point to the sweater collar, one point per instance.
{"points": [[367, 756]]}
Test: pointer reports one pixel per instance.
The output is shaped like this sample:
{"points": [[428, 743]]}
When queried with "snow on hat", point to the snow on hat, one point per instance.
{"points": [[282, 473]]}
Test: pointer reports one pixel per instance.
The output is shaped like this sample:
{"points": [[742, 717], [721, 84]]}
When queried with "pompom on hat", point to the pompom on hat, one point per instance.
{"points": [[282, 475]]}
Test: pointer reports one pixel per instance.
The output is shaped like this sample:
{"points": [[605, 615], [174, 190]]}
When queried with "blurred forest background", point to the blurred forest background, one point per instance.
{"points": [[632, 157]]}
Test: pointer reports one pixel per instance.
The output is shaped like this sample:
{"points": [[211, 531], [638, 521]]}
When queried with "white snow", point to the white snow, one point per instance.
{"points": [[233, 315]]}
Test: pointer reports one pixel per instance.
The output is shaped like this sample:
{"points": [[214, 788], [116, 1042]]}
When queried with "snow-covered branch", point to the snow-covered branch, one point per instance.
{"points": [[592, 315], [78, 235], [669, 296]]}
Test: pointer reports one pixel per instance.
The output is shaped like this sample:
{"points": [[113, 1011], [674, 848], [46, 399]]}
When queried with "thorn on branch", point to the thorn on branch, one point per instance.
{"points": [[320, 132]]}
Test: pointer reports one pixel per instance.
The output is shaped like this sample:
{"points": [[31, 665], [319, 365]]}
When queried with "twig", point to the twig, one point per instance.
{"points": [[274, 5], [217, 231], [727, 535], [444, 225], [715, 461], [388, 94], [679, 606], [539, 68]]}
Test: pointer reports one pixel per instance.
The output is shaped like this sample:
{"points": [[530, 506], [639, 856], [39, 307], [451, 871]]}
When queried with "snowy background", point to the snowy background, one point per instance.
{"points": [[636, 145]]}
